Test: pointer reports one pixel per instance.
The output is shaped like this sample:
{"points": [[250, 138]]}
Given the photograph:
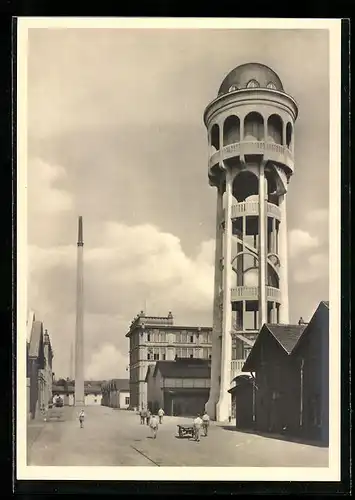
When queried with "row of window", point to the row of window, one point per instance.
{"points": [[180, 338], [182, 352], [252, 84]]}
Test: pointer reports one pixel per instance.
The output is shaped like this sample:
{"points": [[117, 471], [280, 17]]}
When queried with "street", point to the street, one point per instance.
{"points": [[116, 438]]}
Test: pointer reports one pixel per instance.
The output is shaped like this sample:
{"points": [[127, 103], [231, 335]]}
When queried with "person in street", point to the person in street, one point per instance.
{"points": [[160, 415], [148, 415], [81, 418], [205, 422], [197, 427], [153, 424], [143, 415]]}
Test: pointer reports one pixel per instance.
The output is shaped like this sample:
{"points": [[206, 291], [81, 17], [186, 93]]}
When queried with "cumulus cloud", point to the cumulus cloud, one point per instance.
{"points": [[136, 265], [300, 241], [316, 267], [44, 195]]}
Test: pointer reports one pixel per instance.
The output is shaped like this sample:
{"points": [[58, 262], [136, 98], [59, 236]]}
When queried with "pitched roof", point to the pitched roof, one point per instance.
{"points": [[286, 335], [184, 368], [121, 384], [326, 302], [36, 338]]}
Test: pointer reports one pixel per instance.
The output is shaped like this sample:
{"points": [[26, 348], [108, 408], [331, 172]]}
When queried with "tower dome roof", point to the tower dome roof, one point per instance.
{"points": [[250, 75]]}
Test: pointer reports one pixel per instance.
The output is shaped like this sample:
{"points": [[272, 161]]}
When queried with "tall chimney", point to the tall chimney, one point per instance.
{"points": [[79, 329]]}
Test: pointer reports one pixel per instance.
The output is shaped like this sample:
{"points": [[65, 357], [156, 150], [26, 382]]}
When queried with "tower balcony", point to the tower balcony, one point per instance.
{"points": [[252, 293], [252, 208], [270, 151]]}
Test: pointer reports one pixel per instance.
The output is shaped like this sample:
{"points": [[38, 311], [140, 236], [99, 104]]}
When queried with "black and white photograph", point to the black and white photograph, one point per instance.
{"points": [[178, 229]]}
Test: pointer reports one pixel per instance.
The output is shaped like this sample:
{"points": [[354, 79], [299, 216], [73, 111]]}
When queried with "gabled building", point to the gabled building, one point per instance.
{"points": [[181, 387], [291, 367], [39, 369], [115, 393], [66, 390]]}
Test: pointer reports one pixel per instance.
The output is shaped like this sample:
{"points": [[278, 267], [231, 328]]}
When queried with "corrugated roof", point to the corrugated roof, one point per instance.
{"points": [[286, 335], [36, 338], [178, 369]]}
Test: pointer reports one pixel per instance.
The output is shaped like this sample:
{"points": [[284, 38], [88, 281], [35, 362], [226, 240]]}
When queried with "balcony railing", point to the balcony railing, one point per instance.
{"points": [[252, 208], [277, 152], [252, 293]]}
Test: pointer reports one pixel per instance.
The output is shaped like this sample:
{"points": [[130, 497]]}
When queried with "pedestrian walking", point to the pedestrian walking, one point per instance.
{"points": [[143, 415], [197, 427], [148, 416], [205, 422], [160, 415], [81, 418], [154, 426]]}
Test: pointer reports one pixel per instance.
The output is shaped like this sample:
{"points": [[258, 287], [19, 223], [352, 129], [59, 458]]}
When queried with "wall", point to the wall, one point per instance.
{"points": [[277, 400], [93, 399], [122, 399]]}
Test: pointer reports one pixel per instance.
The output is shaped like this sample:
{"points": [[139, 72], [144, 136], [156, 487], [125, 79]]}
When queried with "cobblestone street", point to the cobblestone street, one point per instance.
{"points": [[116, 438]]}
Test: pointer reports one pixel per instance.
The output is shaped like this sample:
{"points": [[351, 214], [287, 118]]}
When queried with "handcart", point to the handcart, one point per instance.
{"points": [[186, 431]]}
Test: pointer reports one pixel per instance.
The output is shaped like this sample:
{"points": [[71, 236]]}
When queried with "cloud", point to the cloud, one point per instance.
{"points": [[44, 195], [106, 362], [315, 268], [301, 241], [136, 264]]}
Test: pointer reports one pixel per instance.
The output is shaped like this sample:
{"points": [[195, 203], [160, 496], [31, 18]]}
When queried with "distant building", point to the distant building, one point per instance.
{"points": [[66, 389], [291, 389], [39, 368], [180, 387], [156, 338], [115, 393]]}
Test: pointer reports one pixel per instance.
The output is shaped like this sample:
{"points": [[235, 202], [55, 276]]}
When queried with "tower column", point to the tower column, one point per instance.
{"points": [[79, 330], [262, 246], [223, 406], [217, 323], [284, 307]]}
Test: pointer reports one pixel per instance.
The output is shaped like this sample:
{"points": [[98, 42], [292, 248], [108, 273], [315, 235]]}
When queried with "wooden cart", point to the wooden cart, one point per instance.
{"points": [[186, 431]]}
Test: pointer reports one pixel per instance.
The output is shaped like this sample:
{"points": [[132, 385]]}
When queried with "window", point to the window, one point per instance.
{"points": [[271, 85], [148, 356], [156, 356], [177, 338], [191, 338], [252, 84], [209, 356], [148, 337], [164, 356], [190, 353], [127, 401], [233, 88]]}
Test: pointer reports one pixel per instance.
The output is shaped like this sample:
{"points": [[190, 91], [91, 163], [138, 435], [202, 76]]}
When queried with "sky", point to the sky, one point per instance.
{"points": [[115, 134]]}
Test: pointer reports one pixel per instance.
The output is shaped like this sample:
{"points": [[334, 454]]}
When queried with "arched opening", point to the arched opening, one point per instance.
{"points": [[254, 127], [231, 130], [245, 184], [272, 278], [271, 186], [274, 129], [252, 84], [215, 138], [251, 277], [288, 135]]}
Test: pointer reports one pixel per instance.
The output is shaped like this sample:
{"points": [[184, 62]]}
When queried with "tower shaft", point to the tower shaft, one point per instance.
{"points": [[251, 140], [79, 327]]}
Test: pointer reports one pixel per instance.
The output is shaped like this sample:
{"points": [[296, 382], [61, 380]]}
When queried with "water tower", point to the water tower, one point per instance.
{"points": [[251, 144]]}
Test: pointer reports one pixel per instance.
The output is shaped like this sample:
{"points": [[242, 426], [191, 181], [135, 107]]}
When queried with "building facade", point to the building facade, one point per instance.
{"points": [[115, 393], [39, 370], [66, 390], [181, 387], [251, 143], [153, 339]]}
